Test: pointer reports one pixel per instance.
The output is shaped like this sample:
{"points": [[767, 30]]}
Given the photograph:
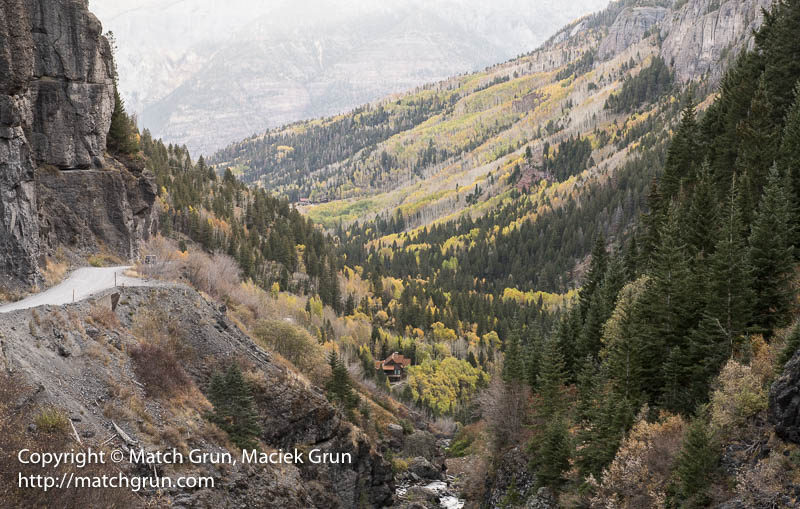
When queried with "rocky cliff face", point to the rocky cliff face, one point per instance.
{"points": [[698, 39], [56, 100], [629, 28], [784, 402], [701, 36]]}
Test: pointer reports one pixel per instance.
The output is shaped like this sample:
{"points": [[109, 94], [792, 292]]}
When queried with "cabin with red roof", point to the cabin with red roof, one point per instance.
{"points": [[394, 366]]}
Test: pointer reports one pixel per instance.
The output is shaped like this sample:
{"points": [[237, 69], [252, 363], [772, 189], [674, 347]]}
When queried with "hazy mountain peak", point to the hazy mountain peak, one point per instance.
{"points": [[207, 72]]}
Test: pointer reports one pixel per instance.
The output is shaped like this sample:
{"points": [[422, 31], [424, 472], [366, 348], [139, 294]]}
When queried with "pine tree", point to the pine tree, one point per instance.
{"points": [[791, 348], [513, 361], [699, 219], [601, 307], [588, 384], [729, 300], [233, 407], [777, 42], [551, 380], [682, 154], [625, 349], [340, 387], [771, 256], [594, 276], [696, 465], [600, 436], [789, 158], [757, 144], [667, 309], [554, 453], [121, 137]]}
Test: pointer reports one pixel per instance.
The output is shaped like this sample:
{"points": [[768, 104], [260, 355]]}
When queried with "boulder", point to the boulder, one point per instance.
{"points": [[423, 468], [395, 436], [421, 443], [423, 495]]}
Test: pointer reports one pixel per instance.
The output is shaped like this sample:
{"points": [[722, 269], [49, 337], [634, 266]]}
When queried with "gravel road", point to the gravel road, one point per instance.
{"points": [[84, 283]]}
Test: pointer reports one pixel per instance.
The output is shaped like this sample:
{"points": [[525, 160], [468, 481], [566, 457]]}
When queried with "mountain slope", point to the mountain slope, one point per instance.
{"points": [[453, 149]]}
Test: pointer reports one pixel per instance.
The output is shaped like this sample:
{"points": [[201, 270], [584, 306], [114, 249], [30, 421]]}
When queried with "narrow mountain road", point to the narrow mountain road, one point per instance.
{"points": [[79, 285]]}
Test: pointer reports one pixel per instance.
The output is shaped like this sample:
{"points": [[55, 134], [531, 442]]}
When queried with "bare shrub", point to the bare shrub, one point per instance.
{"points": [[159, 370], [505, 409], [155, 325], [446, 424], [217, 275], [55, 268], [250, 296], [168, 262], [102, 315], [640, 472], [475, 485], [762, 484]]}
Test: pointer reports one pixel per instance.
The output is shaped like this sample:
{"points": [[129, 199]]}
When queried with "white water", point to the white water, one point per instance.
{"points": [[447, 500]]}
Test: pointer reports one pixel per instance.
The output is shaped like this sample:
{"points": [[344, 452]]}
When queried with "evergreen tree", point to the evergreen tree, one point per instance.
{"points": [[699, 220], [772, 255], [789, 158], [729, 301], [600, 436], [122, 135], [551, 380], [777, 42], [340, 387], [233, 407], [695, 467], [554, 453], [791, 348], [513, 361], [757, 145], [594, 276], [667, 310], [682, 154], [625, 348]]}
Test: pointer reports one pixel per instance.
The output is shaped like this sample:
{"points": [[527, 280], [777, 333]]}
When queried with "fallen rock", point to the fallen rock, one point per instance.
{"points": [[396, 437], [422, 494], [423, 468], [544, 499]]}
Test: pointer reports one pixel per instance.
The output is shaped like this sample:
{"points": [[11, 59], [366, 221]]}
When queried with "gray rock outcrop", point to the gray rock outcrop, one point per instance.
{"points": [[784, 402], [629, 28], [698, 39], [56, 101], [704, 34]]}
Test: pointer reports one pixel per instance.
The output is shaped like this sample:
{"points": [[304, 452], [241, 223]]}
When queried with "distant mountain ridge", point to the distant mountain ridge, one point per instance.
{"points": [[468, 123], [224, 77]]}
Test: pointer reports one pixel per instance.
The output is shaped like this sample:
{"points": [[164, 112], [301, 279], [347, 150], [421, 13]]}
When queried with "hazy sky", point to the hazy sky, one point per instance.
{"points": [[184, 23]]}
